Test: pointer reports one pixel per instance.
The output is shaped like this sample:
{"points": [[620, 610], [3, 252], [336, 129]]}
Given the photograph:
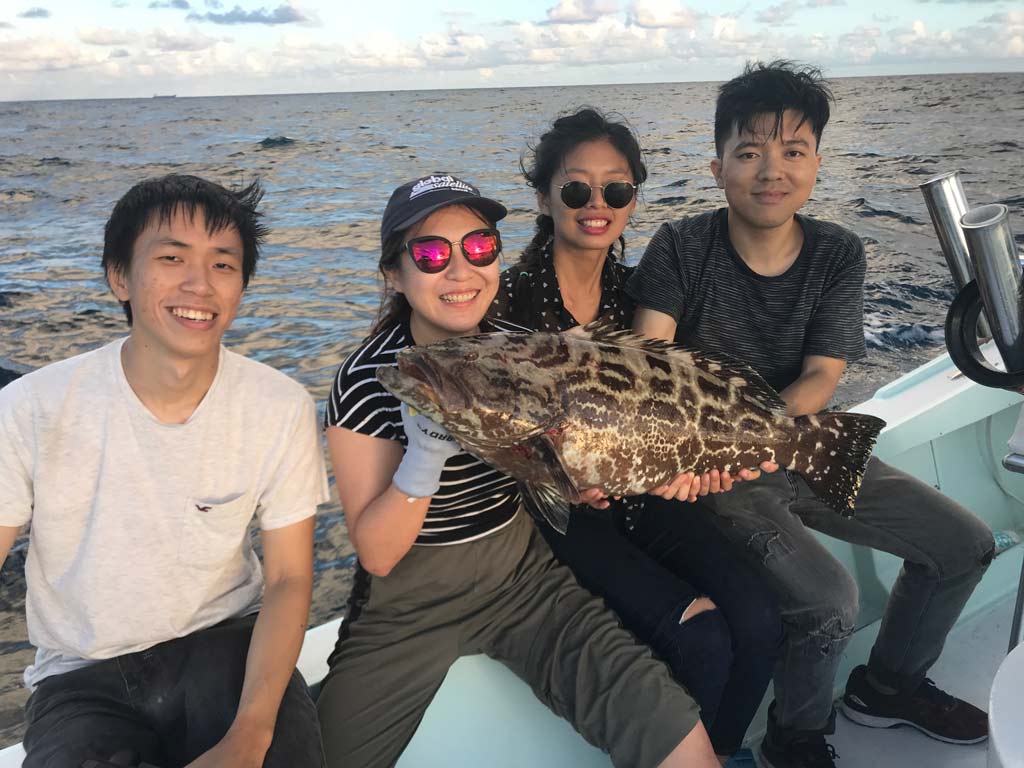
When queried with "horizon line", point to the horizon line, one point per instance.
{"points": [[471, 88]]}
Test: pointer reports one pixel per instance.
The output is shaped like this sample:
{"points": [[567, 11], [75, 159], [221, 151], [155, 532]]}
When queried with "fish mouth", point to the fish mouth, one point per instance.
{"points": [[414, 379]]}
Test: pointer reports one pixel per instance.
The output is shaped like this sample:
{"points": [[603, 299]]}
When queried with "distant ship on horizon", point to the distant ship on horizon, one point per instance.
{"points": [[165, 95]]}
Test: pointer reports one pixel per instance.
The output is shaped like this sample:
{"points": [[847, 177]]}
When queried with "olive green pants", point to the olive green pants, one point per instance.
{"points": [[504, 595]]}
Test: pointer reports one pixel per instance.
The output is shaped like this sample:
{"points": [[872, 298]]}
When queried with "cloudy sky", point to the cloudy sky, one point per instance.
{"points": [[116, 48]]}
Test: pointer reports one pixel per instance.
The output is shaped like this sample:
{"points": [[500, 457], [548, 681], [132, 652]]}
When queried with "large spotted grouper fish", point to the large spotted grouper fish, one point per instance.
{"points": [[562, 412]]}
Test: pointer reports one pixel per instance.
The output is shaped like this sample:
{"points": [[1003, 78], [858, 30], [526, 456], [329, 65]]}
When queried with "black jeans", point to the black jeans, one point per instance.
{"points": [[945, 551], [164, 706], [650, 574]]}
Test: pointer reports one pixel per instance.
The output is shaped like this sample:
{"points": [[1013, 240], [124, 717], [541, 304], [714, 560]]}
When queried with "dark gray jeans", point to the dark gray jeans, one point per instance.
{"points": [[945, 551], [164, 706]]}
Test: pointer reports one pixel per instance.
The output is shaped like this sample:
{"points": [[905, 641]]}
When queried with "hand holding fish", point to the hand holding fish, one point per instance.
{"points": [[689, 486], [430, 446], [686, 487]]}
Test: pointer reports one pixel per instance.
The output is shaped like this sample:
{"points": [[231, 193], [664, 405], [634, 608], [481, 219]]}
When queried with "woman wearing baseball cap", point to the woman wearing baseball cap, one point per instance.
{"points": [[449, 564]]}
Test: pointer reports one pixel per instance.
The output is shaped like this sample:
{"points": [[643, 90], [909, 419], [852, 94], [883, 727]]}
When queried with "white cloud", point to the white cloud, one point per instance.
{"points": [[606, 41], [286, 13], [659, 14], [580, 11], [1010, 18], [727, 28], [183, 40], [859, 45], [777, 14], [45, 55], [102, 36], [455, 49]]}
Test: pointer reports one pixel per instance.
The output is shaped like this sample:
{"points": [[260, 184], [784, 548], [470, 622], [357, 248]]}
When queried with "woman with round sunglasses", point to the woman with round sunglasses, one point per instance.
{"points": [[658, 561], [448, 563]]}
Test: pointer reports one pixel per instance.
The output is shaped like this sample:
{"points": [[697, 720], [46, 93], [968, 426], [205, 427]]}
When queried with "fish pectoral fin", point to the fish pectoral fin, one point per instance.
{"points": [[544, 448], [551, 501], [546, 503]]}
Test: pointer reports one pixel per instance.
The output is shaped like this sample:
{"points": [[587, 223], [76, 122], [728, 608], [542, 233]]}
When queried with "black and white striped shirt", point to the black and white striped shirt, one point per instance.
{"points": [[474, 500], [692, 272]]}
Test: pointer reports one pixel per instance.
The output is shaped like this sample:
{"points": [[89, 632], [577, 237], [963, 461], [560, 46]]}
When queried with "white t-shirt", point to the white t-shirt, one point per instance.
{"points": [[139, 528]]}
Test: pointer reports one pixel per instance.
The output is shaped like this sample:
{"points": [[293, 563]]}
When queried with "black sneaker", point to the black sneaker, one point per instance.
{"points": [[784, 748], [809, 752], [929, 709]]}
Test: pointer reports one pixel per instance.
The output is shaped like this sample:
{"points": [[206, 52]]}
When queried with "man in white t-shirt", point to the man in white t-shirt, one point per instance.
{"points": [[140, 466]]}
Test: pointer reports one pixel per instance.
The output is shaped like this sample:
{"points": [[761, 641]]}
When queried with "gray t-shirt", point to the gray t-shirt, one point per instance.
{"points": [[140, 528], [691, 272]]}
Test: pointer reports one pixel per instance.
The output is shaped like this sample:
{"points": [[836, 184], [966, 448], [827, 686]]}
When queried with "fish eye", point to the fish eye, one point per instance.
{"points": [[471, 356]]}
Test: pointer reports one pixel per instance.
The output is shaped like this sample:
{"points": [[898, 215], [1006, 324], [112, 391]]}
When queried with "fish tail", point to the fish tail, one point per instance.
{"points": [[831, 452]]}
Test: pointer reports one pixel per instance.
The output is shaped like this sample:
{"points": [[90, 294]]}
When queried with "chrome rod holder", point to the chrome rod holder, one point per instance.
{"points": [[947, 203], [944, 196], [1000, 279]]}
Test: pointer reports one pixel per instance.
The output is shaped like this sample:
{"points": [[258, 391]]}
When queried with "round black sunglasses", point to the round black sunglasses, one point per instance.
{"points": [[617, 194]]}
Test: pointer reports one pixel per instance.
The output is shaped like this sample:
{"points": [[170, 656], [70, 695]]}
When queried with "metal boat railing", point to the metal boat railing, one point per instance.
{"points": [[986, 267]]}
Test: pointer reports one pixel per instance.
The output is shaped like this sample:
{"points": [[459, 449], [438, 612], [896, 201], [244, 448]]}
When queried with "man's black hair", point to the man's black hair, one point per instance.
{"points": [[159, 199], [771, 89]]}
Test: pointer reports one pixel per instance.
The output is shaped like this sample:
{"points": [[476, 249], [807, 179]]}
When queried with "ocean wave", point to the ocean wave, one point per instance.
{"points": [[272, 142], [20, 195], [882, 332], [863, 208], [1005, 146], [926, 293]]}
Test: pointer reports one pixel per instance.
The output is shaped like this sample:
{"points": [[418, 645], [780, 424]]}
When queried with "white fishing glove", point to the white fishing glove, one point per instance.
{"points": [[430, 446]]}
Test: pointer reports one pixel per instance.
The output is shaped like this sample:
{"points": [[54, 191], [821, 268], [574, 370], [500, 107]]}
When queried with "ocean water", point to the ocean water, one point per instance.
{"points": [[329, 162]]}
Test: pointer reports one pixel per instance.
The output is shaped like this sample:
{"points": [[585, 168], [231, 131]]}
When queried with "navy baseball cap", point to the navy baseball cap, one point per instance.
{"points": [[415, 200]]}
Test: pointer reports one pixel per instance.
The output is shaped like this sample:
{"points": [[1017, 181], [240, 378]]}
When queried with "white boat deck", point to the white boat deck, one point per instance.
{"points": [[967, 667]]}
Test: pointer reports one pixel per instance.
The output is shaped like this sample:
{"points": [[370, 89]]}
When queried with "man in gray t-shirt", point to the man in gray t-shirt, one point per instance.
{"points": [[140, 465], [784, 293]]}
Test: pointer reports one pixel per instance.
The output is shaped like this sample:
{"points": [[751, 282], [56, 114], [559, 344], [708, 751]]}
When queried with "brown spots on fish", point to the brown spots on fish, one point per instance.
{"points": [[576, 377], [712, 389], [662, 386], [657, 412], [551, 355], [713, 421], [750, 424], [658, 364], [617, 378]]}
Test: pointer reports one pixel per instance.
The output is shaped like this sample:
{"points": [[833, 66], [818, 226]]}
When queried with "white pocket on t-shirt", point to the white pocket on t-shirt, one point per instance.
{"points": [[214, 531]]}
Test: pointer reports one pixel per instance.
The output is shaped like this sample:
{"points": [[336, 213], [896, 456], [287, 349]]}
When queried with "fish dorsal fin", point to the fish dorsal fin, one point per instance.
{"points": [[716, 364]]}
